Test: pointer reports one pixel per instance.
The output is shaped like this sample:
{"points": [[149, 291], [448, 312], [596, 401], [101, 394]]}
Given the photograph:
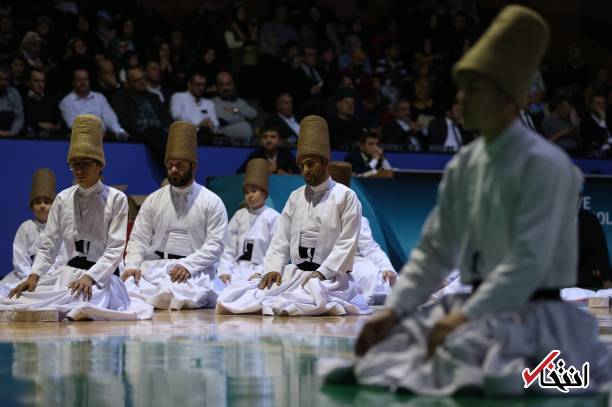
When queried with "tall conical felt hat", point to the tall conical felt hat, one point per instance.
{"points": [[182, 142], [509, 52], [257, 173], [43, 185], [313, 138], [341, 172], [86, 138]]}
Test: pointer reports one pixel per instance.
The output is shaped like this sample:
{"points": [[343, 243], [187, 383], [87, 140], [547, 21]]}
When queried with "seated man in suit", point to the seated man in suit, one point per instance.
{"points": [[370, 158], [282, 161], [403, 132], [284, 120], [447, 133]]}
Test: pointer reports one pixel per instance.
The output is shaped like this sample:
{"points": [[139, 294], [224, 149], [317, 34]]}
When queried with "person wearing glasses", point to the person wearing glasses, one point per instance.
{"points": [[178, 236], [318, 233], [28, 236], [90, 219]]}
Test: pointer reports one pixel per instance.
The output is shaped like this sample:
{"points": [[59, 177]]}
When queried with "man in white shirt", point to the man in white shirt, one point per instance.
{"points": [[506, 217], [84, 101], [178, 236], [190, 106], [154, 85], [90, 220]]}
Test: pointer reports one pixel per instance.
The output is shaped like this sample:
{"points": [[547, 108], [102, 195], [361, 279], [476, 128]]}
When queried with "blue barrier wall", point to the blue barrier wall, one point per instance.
{"points": [[404, 205]]}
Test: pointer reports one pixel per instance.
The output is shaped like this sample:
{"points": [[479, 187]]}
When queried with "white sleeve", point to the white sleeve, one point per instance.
{"points": [[230, 251], [434, 256], [212, 249], [547, 195], [231, 42], [141, 237], [22, 263], [50, 241], [371, 250], [68, 113], [213, 115], [278, 253], [115, 245], [176, 107], [108, 116], [341, 257]]}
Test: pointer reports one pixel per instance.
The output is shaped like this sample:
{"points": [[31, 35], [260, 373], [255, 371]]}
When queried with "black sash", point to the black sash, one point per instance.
{"points": [[547, 294], [81, 262], [307, 253], [162, 255], [248, 252]]}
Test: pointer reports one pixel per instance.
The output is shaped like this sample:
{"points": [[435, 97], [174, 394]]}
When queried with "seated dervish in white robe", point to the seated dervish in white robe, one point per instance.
{"points": [[372, 269], [318, 233], [28, 237], [250, 230], [177, 238], [506, 217], [91, 222]]}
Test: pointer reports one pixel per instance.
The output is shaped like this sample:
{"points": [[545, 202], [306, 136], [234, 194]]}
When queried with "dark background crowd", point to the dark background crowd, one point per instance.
{"points": [[236, 71]]}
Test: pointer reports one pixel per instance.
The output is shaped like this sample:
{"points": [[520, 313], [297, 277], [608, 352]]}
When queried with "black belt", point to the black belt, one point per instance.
{"points": [[80, 246], [163, 255], [248, 252], [308, 266], [551, 294], [82, 263]]}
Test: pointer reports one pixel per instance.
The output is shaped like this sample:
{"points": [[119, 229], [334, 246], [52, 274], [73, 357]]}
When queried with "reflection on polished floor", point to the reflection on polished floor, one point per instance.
{"points": [[194, 358]]}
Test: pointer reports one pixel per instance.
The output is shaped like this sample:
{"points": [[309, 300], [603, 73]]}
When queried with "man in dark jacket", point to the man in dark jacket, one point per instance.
{"points": [[282, 161]]}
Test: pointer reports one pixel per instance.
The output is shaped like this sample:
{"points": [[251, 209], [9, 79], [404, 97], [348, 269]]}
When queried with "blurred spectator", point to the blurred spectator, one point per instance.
{"points": [[84, 31], [307, 84], [42, 115], [369, 158], [235, 114], [207, 66], [11, 108], [402, 132], [360, 72], [283, 119], [241, 38], [154, 82], [285, 32], [131, 59], [77, 57], [8, 38], [192, 107], [315, 30], [84, 101], [106, 79], [594, 130], [391, 68], [344, 128], [328, 69], [575, 72], [561, 127], [446, 133], [31, 50], [18, 73], [280, 158], [422, 100], [142, 114]]}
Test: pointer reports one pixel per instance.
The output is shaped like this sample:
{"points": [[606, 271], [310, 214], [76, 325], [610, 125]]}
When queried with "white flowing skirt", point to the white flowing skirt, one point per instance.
{"points": [[370, 279], [108, 302], [488, 353], [157, 289], [337, 296]]}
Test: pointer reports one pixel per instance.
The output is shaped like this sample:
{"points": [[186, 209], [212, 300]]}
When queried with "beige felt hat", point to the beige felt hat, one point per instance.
{"points": [[509, 52], [182, 142], [86, 138], [43, 185], [314, 137], [257, 173]]}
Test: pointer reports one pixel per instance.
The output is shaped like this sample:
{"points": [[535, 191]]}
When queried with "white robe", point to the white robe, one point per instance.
{"points": [[203, 220], [506, 215], [329, 216], [97, 215], [368, 267], [247, 227], [25, 245]]}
